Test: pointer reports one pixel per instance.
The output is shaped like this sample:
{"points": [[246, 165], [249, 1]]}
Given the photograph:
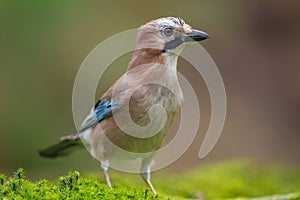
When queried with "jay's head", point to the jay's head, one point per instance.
{"points": [[167, 34]]}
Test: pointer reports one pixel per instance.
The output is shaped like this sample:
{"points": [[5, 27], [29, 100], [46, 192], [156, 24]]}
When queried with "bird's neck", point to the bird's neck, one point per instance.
{"points": [[149, 56], [166, 72], [171, 62]]}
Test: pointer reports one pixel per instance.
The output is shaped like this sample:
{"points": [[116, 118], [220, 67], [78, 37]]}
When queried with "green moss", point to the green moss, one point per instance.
{"points": [[237, 180], [67, 187], [233, 179]]}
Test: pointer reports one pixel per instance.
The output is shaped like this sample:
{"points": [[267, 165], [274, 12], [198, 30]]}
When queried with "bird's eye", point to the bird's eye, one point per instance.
{"points": [[168, 32]]}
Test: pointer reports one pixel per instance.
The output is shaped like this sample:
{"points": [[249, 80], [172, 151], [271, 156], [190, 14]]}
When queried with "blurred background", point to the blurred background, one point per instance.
{"points": [[255, 44]]}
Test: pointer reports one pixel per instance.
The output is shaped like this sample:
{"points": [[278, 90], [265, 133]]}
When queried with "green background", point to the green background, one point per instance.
{"points": [[255, 44]]}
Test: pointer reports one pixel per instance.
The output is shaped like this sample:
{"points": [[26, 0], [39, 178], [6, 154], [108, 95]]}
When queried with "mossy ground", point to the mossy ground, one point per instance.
{"points": [[237, 180]]}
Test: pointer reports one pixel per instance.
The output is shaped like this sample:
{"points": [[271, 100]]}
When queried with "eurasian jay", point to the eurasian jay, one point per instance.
{"points": [[155, 60]]}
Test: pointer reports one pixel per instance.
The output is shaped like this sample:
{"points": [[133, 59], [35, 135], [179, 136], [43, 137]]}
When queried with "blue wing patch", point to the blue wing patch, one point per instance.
{"points": [[104, 108]]}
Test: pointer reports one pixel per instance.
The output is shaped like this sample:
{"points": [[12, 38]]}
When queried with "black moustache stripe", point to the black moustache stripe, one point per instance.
{"points": [[173, 44]]}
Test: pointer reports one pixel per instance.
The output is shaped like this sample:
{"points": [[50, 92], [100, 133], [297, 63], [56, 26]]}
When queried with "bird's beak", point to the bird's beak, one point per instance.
{"points": [[195, 36]]}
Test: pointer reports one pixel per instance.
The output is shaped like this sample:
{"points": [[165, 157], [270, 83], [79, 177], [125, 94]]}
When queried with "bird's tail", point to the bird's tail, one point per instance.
{"points": [[65, 146]]}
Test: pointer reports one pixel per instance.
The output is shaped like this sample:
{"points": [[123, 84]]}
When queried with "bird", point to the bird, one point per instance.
{"points": [[158, 45]]}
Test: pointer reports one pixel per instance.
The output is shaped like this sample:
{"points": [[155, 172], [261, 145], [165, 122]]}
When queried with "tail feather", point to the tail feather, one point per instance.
{"points": [[64, 147]]}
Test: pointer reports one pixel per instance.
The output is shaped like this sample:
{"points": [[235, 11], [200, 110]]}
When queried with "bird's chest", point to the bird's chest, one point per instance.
{"points": [[140, 105], [150, 96], [146, 101]]}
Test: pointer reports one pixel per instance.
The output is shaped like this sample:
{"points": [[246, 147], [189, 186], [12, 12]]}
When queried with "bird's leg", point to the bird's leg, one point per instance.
{"points": [[107, 178], [145, 173], [105, 166]]}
